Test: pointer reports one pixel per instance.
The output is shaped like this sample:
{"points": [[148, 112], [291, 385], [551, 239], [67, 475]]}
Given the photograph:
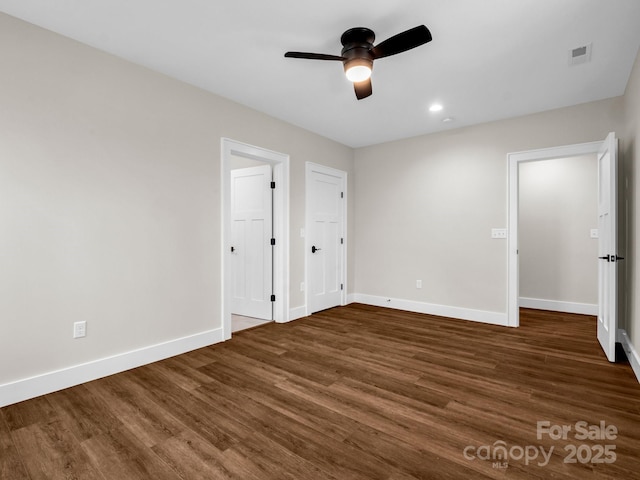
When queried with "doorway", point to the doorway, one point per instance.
{"points": [[232, 153], [514, 161], [606, 152], [558, 236]]}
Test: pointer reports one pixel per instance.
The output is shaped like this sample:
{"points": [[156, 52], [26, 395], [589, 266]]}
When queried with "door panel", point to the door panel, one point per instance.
{"points": [[251, 227], [325, 212], [607, 246]]}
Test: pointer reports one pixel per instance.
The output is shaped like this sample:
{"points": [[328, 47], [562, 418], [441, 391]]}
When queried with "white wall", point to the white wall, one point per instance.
{"points": [[425, 206], [558, 206], [110, 202], [630, 182]]}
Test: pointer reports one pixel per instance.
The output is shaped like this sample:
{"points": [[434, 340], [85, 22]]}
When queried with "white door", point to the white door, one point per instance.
{"points": [[251, 249], [325, 237], [607, 246]]}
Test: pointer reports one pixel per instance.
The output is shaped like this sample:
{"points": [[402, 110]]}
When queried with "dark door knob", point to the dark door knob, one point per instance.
{"points": [[314, 249], [233, 249]]}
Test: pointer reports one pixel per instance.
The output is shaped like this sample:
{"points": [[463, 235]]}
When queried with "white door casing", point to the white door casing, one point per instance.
{"points": [[251, 233], [325, 237], [280, 163], [608, 246]]}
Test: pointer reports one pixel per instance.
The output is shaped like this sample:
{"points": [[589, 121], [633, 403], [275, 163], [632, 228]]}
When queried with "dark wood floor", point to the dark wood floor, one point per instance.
{"points": [[351, 393]]}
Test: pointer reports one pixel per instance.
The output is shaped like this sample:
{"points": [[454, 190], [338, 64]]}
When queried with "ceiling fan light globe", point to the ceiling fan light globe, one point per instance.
{"points": [[358, 73]]}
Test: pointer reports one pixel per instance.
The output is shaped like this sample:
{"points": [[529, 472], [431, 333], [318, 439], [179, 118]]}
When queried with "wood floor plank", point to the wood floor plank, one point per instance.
{"points": [[11, 466], [187, 408], [83, 412], [356, 392], [415, 463], [51, 452], [24, 414], [192, 457], [226, 395], [117, 455], [149, 421]]}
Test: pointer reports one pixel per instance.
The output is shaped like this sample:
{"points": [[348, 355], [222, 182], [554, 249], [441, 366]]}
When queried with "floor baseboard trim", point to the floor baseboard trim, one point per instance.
{"points": [[296, 313], [632, 353], [558, 306], [482, 316], [32, 387]]}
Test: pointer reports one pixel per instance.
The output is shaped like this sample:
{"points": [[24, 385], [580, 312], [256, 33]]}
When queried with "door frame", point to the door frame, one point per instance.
{"points": [[309, 167], [280, 164], [513, 161]]}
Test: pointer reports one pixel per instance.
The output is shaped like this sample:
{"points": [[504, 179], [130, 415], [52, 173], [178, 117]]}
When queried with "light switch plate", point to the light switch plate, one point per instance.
{"points": [[498, 233], [593, 233]]}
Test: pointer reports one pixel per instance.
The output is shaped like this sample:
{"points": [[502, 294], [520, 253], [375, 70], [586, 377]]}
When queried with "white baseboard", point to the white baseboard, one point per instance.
{"points": [[298, 312], [68, 377], [557, 306], [483, 316], [632, 353]]}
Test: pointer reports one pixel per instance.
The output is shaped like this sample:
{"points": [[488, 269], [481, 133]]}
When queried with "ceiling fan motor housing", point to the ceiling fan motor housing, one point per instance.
{"points": [[357, 45]]}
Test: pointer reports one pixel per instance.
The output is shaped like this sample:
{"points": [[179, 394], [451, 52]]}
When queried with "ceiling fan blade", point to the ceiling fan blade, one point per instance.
{"points": [[363, 89], [402, 42], [313, 56]]}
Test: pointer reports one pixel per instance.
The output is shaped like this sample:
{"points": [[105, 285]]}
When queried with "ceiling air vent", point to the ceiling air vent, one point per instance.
{"points": [[580, 55]]}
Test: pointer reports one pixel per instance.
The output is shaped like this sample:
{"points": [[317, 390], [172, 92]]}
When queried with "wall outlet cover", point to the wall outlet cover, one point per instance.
{"points": [[79, 329]]}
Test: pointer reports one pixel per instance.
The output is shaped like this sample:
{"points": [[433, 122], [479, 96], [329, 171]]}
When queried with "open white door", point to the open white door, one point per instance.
{"points": [[325, 237], [607, 246], [251, 249]]}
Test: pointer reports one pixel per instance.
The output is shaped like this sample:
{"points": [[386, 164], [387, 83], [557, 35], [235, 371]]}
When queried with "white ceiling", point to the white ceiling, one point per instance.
{"points": [[489, 59]]}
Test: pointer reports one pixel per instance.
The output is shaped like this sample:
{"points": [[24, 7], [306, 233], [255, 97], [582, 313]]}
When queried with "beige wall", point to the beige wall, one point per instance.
{"points": [[630, 151], [110, 201], [558, 206], [425, 206]]}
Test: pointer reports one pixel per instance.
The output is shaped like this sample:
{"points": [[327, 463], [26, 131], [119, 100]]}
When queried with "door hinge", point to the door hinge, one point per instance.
{"points": [[342, 286], [342, 241], [273, 298], [341, 194], [273, 184], [273, 241]]}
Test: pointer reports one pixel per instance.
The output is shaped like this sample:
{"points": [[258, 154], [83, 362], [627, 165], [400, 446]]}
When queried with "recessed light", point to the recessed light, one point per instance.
{"points": [[436, 107]]}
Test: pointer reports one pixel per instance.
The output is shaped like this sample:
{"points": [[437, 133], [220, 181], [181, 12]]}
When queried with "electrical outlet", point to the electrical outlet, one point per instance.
{"points": [[498, 233], [418, 283], [79, 329]]}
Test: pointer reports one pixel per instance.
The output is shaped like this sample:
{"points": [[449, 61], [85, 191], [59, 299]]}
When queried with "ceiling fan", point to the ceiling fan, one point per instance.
{"points": [[358, 53]]}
